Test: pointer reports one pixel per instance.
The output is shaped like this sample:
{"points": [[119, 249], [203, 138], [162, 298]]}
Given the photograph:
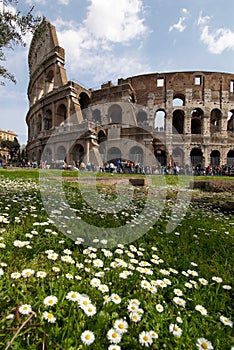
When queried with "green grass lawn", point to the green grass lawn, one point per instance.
{"points": [[166, 289]]}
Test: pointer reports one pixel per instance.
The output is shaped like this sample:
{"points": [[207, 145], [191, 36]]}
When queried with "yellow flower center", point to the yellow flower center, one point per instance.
{"points": [[145, 338], [114, 335], [121, 326], [204, 345], [87, 337]]}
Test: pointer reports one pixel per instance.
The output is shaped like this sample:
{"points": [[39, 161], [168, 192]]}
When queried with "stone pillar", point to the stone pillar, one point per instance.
{"points": [[53, 115], [68, 108], [87, 149]]}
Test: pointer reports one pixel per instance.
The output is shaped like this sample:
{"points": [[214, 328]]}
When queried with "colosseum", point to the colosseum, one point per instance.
{"points": [[179, 117]]}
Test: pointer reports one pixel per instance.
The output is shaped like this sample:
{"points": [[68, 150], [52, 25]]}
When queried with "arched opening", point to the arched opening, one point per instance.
{"points": [[61, 153], [178, 121], [84, 102], [141, 118], [39, 124], [50, 81], [196, 157], [48, 120], [33, 127], [230, 158], [178, 156], [159, 120], [113, 154], [215, 120], [115, 114], [136, 154], [40, 88], [196, 121], [178, 100], [61, 115], [161, 156], [48, 156], [102, 144], [215, 158], [97, 116], [78, 154], [230, 120]]}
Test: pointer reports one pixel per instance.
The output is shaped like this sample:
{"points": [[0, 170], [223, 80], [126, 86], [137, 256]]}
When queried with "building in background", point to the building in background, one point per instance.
{"points": [[179, 117], [6, 135]]}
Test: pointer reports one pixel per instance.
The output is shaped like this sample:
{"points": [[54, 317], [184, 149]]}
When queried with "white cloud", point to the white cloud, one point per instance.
{"points": [[180, 26], [116, 21], [64, 2], [219, 40], [33, 2], [92, 47]]}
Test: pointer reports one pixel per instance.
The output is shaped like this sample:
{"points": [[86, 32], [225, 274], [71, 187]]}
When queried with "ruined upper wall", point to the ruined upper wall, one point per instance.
{"points": [[44, 45], [200, 86]]}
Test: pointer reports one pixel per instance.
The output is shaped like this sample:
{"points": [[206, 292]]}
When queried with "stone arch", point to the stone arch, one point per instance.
{"points": [[33, 127], [84, 101], [136, 154], [49, 81], [34, 94], [48, 155], [230, 120], [48, 120], [196, 121], [61, 115], [160, 120], [113, 154], [178, 121], [178, 100], [78, 154], [61, 153], [178, 156], [40, 88], [215, 158], [141, 118], [161, 156], [96, 116], [115, 114], [196, 157], [215, 120], [230, 157], [102, 137], [39, 124]]}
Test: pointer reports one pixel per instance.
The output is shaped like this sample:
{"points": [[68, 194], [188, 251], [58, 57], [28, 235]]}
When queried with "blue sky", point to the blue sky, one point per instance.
{"points": [[110, 39]]}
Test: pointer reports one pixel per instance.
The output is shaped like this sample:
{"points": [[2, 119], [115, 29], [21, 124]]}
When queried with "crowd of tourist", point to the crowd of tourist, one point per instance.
{"points": [[129, 167]]}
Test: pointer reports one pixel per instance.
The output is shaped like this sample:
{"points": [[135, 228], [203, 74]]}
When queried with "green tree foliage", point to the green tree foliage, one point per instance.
{"points": [[13, 28], [13, 148]]}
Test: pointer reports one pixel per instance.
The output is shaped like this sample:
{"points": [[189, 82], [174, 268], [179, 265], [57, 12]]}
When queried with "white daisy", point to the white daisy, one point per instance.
{"points": [[201, 309], [73, 296], [25, 309], [145, 339], [226, 321], [159, 308], [202, 344], [114, 336], [50, 300], [175, 330], [48, 316], [87, 337], [121, 326]]}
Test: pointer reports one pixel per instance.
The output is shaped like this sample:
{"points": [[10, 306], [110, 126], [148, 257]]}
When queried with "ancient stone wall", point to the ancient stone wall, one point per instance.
{"points": [[180, 117]]}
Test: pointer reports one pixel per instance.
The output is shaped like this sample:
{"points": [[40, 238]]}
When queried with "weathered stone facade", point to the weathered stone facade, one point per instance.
{"points": [[179, 117]]}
